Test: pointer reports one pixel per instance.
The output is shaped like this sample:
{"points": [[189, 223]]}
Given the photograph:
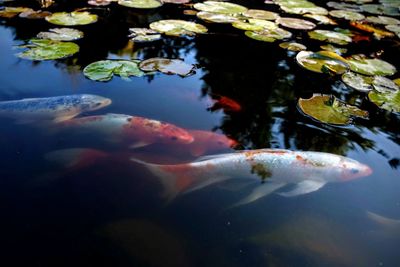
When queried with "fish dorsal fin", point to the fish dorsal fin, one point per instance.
{"points": [[216, 156]]}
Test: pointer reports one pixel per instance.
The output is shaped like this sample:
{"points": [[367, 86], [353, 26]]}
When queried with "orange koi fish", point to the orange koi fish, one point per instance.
{"points": [[225, 103]]}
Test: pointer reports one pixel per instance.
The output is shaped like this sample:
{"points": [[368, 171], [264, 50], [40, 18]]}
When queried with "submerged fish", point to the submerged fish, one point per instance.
{"points": [[135, 131], [57, 108], [225, 103], [276, 168]]}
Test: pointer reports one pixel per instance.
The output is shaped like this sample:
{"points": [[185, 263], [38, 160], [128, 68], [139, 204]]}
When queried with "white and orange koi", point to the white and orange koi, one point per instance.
{"points": [[132, 130], [274, 168]]}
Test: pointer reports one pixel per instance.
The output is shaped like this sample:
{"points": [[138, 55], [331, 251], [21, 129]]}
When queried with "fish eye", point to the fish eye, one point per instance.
{"points": [[97, 104], [129, 119], [354, 171]]}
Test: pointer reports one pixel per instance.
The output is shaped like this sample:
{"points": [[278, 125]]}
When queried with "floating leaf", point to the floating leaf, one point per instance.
{"points": [[330, 36], [394, 28], [371, 66], [337, 50], [10, 12], [345, 14], [142, 35], [386, 99], [104, 70], [61, 34], [397, 81], [177, 27], [32, 14], [328, 109], [321, 19], [300, 7], [298, 24], [292, 46], [358, 82], [72, 19], [254, 25], [269, 35], [383, 20], [392, 3], [141, 4], [344, 6], [382, 84], [381, 10], [260, 14], [167, 66], [220, 7], [216, 17], [40, 49], [322, 62]]}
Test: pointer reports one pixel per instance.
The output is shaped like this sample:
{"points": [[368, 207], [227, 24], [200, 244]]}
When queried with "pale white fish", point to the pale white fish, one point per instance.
{"points": [[276, 168]]}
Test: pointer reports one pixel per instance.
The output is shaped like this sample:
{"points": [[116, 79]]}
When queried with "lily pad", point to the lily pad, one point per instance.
{"points": [[269, 35], [394, 28], [41, 49], [322, 19], [10, 12], [300, 7], [328, 109], [292, 46], [176, 1], [254, 25], [345, 14], [32, 14], [383, 20], [322, 62], [140, 4], [72, 19], [337, 50], [344, 6], [100, 2], [330, 37], [175, 27], [382, 84], [61, 34], [220, 7], [386, 99], [298, 24], [371, 66], [397, 81], [104, 70], [143, 35], [260, 14], [167, 66], [381, 10], [216, 17], [358, 82]]}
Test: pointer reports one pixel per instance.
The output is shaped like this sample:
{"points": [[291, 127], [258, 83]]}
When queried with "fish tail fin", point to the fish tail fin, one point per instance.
{"points": [[384, 221]]}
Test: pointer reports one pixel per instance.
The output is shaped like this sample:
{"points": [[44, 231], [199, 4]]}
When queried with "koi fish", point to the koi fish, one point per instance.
{"points": [[56, 109], [136, 131], [75, 158], [225, 103], [310, 171]]}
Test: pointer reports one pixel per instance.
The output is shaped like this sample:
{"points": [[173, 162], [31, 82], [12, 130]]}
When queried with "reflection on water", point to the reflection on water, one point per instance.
{"points": [[108, 211]]}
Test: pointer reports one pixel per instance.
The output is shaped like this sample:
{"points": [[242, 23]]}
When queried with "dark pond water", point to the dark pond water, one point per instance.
{"points": [[110, 213]]}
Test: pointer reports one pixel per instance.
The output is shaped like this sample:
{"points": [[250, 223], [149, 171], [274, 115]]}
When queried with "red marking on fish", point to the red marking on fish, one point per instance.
{"points": [[225, 103]]}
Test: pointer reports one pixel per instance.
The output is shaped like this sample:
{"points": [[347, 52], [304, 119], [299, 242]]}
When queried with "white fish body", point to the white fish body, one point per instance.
{"points": [[308, 170]]}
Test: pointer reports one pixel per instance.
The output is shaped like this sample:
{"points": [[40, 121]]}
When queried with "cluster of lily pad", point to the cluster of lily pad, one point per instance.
{"points": [[357, 71]]}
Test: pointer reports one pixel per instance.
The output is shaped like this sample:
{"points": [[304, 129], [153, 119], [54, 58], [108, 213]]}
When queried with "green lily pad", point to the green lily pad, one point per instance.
{"points": [[10, 12], [371, 66], [178, 2], [394, 28], [269, 35], [143, 35], [104, 70], [34, 14], [391, 3], [300, 7], [381, 10], [140, 4], [260, 14], [344, 6], [345, 14], [298, 24], [360, 1], [292, 46], [220, 7], [72, 19], [175, 27], [322, 62], [358, 82], [41, 49], [337, 50], [383, 84], [167, 66], [386, 99], [61, 34], [383, 20], [254, 25], [330, 37], [328, 109], [216, 17], [322, 19]]}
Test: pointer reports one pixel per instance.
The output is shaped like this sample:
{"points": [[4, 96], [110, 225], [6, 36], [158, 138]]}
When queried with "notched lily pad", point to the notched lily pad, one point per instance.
{"points": [[72, 19], [175, 27], [292, 46], [297, 24], [322, 62], [104, 70], [140, 4], [358, 82], [330, 37], [167, 66], [260, 14], [269, 35], [386, 98], [216, 17], [328, 109], [347, 15], [143, 35], [220, 7], [61, 34], [371, 67], [41, 49], [10, 12]]}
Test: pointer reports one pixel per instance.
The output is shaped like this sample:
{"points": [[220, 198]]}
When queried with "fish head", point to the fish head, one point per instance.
{"points": [[94, 102], [351, 169]]}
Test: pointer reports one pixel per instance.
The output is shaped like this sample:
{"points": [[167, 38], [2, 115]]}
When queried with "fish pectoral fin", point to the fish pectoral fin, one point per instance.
{"points": [[63, 118], [140, 144], [259, 192], [304, 187]]}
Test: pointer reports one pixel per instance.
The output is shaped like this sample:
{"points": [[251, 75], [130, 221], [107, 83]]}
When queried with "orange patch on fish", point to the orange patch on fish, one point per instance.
{"points": [[371, 29], [225, 103]]}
